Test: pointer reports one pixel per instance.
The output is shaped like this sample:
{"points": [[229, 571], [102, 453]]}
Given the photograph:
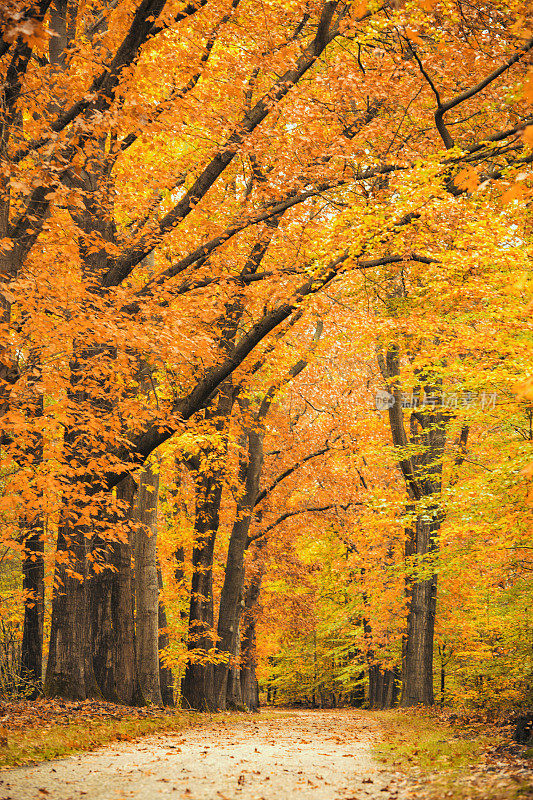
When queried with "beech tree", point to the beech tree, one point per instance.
{"points": [[93, 220], [147, 154]]}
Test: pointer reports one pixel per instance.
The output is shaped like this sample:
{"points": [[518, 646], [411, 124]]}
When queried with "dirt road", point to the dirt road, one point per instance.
{"points": [[309, 755]]}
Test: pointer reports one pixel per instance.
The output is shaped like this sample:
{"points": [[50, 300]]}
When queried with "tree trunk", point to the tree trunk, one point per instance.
{"points": [[166, 679], [31, 661], [198, 684], [389, 689], [198, 691], [357, 695], [69, 672], [127, 684], [417, 684], [373, 685], [32, 529], [232, 590], [113, 629], [147, 588], [422, 473], [100, 592], [229, 600], [249, 683], [234, 690]]}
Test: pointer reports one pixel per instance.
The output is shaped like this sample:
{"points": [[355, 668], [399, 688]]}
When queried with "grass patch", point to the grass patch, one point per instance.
{"points": [[421, 740], [56, 739], [444, 760]]}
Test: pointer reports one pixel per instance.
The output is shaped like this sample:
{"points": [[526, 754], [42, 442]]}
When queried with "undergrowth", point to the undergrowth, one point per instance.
{"points": [[57, 739], [445, 759]]}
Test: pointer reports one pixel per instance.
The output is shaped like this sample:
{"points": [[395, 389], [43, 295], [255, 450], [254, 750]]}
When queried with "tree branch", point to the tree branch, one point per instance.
{"points": [[443, 108], [289, 514], [264, 492], [100, 93], [226, 153]]}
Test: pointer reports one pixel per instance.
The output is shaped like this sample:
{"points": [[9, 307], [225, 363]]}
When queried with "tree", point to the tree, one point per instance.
{"points": [[130, 131], [107, 258]]}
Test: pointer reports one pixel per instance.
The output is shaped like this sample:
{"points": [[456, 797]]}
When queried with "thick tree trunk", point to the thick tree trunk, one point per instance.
{"points": [[197, 690], [127, 684], [100, 594], [113, 630], [382, 691], [249, 683], [69, 672], [417, 684], [357, 695], [422, 473], [372, 685], [32, 530], [147, 588], [229, 600], [232, 589], [166, 679], [233, 687], [198, 682], [31, 662], [392, 688]]}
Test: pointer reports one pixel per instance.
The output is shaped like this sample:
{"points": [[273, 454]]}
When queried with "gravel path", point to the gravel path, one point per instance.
{"points": [[309, 755]]}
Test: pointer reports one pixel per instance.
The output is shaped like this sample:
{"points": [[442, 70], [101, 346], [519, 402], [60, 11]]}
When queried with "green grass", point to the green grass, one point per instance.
{"points": [[56, 740]]}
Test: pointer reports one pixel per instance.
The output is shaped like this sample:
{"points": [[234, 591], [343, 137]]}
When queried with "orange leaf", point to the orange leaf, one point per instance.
{"points": [[413, 36], [467, 179], [514, 192]]}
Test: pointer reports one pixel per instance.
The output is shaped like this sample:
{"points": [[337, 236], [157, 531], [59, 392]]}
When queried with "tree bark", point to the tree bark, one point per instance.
{"points": [[100, 597], [166, 679], [69, 672], [249, 683], [32, 530], [422, 473], [113, 629], [198, 691], [198, 681], [232, 589], [233, 688], [147, 588], [417, 684], [31, 661]]}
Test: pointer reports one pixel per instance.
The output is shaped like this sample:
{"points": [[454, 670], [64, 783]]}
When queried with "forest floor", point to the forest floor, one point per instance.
{"points": [[277, 755]]}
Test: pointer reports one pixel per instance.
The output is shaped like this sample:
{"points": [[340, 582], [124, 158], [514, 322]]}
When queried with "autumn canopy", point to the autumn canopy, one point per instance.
{"points": [[266, 351]]}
